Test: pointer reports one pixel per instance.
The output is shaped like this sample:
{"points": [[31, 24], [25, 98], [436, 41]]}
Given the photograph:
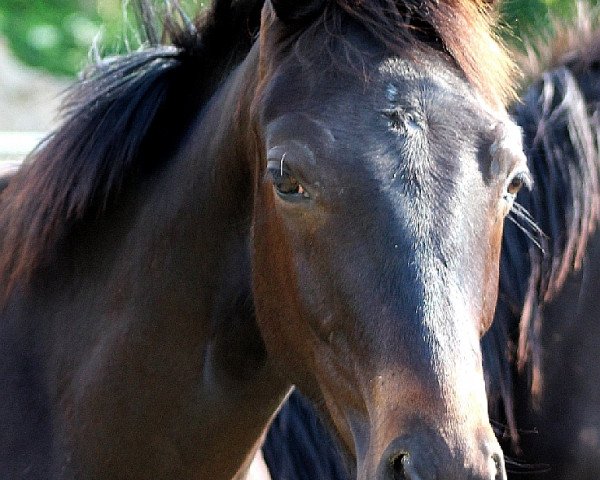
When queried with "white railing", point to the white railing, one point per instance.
{"points": [[15, 145]]}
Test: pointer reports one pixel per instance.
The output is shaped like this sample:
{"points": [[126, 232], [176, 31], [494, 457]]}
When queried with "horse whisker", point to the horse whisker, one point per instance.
{"points": [[526, 223], [527, 233], [523, 213], [502, 426], [516, 467]]}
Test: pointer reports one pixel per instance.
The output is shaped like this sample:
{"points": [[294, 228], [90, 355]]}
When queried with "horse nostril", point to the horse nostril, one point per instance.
{"points": [[399, 468]]}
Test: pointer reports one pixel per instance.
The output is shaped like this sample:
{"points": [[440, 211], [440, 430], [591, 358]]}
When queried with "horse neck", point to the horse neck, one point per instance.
{"points": [[210, 271], [161, 285]]}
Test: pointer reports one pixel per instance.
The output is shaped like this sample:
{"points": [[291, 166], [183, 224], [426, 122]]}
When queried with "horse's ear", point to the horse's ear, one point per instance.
{"points": [[293, 11]]}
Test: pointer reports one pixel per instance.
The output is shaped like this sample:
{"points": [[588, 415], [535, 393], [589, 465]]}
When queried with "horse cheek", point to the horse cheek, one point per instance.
{"points": [[274, 277], [492, 266]]}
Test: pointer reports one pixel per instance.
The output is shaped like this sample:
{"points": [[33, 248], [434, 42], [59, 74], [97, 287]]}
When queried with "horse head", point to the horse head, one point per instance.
{"points": [[382, 178], [320, 205]]}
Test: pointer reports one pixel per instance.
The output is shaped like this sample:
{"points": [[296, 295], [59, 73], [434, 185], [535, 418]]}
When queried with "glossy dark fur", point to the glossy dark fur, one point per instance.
{"points": [[557, 358], [541, 354], [305, 193]]}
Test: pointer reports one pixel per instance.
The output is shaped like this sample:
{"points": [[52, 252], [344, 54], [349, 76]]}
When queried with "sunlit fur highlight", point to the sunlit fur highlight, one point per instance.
{"points": [[464, 28], [110, 114]]}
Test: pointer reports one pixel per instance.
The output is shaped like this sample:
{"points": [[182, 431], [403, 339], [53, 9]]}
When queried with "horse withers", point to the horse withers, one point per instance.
{"points": [[219, 220]]}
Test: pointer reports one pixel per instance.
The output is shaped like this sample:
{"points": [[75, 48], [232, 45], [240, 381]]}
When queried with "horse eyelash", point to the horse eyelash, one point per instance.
{"points": [[281, 164]]}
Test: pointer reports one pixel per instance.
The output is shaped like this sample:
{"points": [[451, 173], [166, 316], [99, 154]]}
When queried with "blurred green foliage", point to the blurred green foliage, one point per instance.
{"points": [[56, 34], [526, 18]]}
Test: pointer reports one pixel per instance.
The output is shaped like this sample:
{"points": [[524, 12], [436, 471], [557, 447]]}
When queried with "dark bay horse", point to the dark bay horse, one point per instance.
{"points": [[304, 193], [542, 353]]}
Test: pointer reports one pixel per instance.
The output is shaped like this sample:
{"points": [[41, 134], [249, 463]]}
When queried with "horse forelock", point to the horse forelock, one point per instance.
{"points": [[462, 28], [107, 115]]}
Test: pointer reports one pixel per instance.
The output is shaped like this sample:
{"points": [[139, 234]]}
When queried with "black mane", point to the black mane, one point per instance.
{"points": [[110, 115], [561, 127]]}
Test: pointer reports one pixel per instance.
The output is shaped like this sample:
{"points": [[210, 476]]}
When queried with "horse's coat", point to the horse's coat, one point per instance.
{"points": [[314, 197]]}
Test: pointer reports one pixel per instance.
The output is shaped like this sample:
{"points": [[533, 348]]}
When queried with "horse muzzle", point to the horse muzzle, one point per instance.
{"points": [[424, 457]]}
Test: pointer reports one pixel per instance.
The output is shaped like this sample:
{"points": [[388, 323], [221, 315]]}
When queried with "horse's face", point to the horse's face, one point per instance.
{"points": [[378, 218]]}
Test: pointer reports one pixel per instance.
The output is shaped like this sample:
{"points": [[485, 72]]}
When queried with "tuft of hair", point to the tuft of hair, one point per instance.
{"points": [[108, 119], [465, 29], [560, 117]]}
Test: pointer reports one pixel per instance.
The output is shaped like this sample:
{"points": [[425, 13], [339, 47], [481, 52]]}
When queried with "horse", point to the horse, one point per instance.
{"points": [[556, 361], [276, 193], [541, 358]]}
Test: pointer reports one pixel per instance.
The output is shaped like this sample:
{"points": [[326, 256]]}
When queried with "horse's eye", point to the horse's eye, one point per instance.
{"points": [[286, 185], [517, 182]]}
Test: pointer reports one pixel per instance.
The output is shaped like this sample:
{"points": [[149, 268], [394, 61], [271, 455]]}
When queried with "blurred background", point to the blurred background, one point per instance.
{"points": [[44, 43]]}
